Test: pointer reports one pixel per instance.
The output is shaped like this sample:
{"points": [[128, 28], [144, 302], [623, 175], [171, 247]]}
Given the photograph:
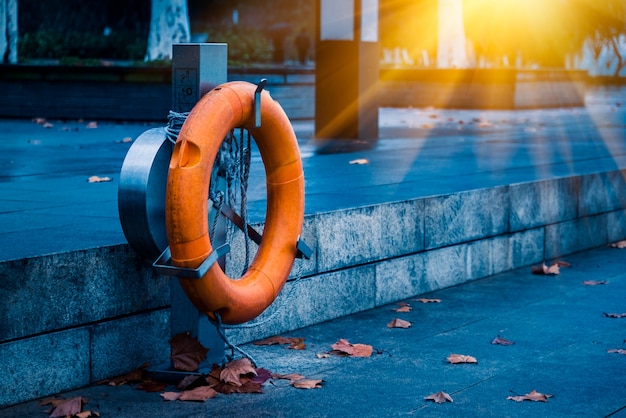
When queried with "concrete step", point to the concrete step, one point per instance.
{"points": [[435, 206]]}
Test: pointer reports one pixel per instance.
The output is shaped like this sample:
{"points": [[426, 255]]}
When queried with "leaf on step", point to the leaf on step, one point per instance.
{"points": [[532, 396], [595, 282], [615, 315], [307, 383], [461, 358], [98, 179], [618, 244], [501, 341], [426, 300], [398, 323], [344, 348], [439, 397]]}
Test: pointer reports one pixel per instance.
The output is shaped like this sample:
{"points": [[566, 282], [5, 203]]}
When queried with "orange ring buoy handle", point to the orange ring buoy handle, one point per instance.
{"points": [[224, 108]]}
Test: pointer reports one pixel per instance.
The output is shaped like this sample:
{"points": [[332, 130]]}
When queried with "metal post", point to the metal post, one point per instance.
{"points": [[346, 75], [196, 69]]}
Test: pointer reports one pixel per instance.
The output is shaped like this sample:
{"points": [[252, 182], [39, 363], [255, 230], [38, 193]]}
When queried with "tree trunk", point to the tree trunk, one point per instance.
{"points": [[451, 44], [8, 31], [614, 40], [169, 24]]}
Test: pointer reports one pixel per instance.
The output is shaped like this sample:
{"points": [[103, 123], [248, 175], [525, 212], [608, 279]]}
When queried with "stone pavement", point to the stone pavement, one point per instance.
{"points": [[47, 206], [557, 323]]}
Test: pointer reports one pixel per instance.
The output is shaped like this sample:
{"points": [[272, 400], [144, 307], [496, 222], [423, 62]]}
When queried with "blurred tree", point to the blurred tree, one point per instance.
{"points": [[8, 31], [602, 23], [169, 24]]}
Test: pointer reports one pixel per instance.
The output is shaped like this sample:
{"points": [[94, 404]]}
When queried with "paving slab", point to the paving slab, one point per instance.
{"points": [[557, 323]]}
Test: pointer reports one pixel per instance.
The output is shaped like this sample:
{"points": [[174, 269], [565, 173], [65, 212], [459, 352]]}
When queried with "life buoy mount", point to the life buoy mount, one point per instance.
{"points": [[227, 107]]}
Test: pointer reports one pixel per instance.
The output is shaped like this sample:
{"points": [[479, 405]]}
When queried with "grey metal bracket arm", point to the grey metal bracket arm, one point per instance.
{"points": [[163, 264], [257, 102]]}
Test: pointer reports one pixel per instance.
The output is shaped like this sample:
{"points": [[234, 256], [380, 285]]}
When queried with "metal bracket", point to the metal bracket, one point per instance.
{"points": [[304, 251], [257, 102], [163, 264]]}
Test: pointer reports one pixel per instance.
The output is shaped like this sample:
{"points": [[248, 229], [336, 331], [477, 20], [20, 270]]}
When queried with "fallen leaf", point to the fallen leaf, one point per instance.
{"points": [[92, 125], [594, 282], [152, 386], [294, 343], [191, 382], [532, 396], [615, 315], [290, 376], [234, 370], [485, 124], [186, 352], [343, 347], [97, 179], [126, 140], [617, 351], [52, 401], [133, 376], [425, 300], [48, 125], [501, 341], [460, 358], [39, 121], [88, 414], [69, 407], [403, 307], [360, 161], [546, 270], [618, 244], [307, 384], [262, 376], [322, 355], [170, 396], [399, 323], [199, 394], [439, 397]]}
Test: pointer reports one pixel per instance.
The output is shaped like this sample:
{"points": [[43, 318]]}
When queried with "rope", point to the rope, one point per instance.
{"points": [[175, 122], [220, 330]]}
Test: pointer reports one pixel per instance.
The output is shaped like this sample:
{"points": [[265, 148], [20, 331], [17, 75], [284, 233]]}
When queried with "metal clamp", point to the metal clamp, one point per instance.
{"points": [[304, 251], [257, 102], [163, 264]]}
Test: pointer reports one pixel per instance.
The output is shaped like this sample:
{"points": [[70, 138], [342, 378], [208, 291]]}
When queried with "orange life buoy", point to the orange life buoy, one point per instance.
{"points": [[226, 107]]}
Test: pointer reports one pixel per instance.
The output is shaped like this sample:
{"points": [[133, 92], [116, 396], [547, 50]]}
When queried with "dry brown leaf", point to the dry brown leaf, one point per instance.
{"points": [[439, 397], [398, 323], [615, 315], [152, 386], [69, 407], [307, 383], [133, 376], [544, 269], [191, 381], [594, 282], [322, 355], [618, 244], [88, 414], [290, 376], [360, 161], [294, 343], [170, 396], [126, 140], [343, 347], [233, 371], [92, 125], [186, 352], [425, 300], [501, 341], [39, 121], [617, 351], [532, 396], [199, 394], [98, 179], [52, 401], [403, 307], [461, 358]]}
